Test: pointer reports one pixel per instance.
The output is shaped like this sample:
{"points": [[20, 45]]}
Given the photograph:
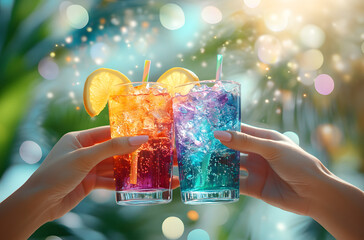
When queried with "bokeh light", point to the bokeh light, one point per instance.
{"points": [[268, 49], [101, 195], [71, 220], [192, 215], [329, 135], [211, 15], [117, 38], [338, 63], [99, 52], [252, 3], [53, 237], [64, 5], [281, 226], [293, 136], [68, 39], [115, 21], [276, 22], [77, 16], [172, 16], [30, 152], [48, 68], [324, 84], [311, 60], [312, 36], [173, 228], [198, 234], [307, 77]]}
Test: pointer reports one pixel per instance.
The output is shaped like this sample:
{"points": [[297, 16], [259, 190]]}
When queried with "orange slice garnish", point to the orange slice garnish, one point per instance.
{"points": [[97, 89], [177, 76]]}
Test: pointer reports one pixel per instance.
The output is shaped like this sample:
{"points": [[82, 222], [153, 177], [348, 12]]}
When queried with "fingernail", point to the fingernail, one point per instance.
{"points": [[137, 140], [223, 136]]}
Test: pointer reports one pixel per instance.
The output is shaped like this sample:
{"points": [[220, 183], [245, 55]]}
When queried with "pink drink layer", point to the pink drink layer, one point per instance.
{"points": [[153, 167]]}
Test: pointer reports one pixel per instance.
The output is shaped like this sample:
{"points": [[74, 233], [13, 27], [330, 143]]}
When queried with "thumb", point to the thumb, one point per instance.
{"points": [[91, 156], [246, 143]]}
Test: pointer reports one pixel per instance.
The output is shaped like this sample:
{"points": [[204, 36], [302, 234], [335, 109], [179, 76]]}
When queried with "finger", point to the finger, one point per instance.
{"points": [[252, 162], [243, 161], [105, 183], [261, 132], [265, 133], [105, 168], [245, 187], [246, 143], [175, 182], [105, 165], [89, 157], [106, 173], [92, 136], [251, 185], [88, 184]]}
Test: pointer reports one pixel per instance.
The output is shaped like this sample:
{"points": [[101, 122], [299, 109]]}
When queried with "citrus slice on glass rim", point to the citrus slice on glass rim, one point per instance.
{"points": [[97, 89], [178, 76]]}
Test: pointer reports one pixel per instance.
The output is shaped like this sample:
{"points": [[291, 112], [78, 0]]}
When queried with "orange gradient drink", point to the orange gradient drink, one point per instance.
{"points": [[144, 176]]}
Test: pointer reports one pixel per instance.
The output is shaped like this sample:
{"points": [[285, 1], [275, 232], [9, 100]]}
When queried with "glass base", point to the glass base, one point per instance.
{"points": [[209, 197], [143, 198]]}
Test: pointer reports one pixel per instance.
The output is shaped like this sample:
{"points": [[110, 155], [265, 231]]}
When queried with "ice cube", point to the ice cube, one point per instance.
{"points": [[160, 115], [218, 86], [148, 123]]}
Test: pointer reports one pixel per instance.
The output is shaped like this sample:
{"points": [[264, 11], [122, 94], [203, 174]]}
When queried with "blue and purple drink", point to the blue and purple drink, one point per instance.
{"points": [[208, 171]]}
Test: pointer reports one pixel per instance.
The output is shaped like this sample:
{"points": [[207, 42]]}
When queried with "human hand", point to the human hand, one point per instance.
{"points": [[284, 175], [279, 171], [80, 162]]}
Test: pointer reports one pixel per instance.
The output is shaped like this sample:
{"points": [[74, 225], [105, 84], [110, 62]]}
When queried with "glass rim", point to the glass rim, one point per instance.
{"points": [[208, 81], [131, 83]]}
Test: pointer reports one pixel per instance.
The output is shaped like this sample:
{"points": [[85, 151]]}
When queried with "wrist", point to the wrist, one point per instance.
{"points": [[22, 213], [34, 201], [338, 206], [323, 188]]}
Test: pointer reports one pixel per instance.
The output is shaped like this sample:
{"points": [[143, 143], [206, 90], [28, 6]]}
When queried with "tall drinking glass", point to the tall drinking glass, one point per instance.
{"points": [[208, 171], [144, 176]]}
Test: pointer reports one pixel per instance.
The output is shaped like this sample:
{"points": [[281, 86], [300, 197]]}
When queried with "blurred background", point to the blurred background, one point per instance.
{"points": [[300, 63]]}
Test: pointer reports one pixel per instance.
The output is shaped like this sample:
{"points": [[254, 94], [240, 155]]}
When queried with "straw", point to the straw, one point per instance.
{"points": [[204, 170], [207, 156], [146, 71], [134, 168], [219, 67], [134, 155]]}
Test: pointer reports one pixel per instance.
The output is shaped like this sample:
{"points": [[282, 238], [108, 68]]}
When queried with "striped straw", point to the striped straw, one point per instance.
{"points": [[219, 67], [146, 71]]}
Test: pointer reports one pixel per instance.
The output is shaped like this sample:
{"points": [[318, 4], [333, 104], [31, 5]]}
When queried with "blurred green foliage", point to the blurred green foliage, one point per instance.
{"points": [[18, 77]]}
